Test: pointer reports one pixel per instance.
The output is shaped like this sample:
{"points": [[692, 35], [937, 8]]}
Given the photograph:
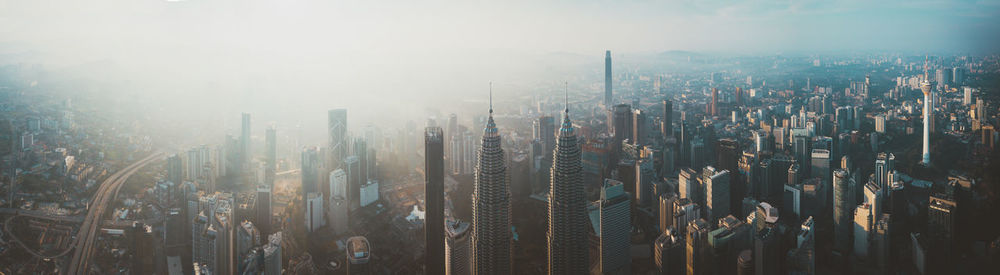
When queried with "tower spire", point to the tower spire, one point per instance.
{"points": [[567, 97], [491, 98]]}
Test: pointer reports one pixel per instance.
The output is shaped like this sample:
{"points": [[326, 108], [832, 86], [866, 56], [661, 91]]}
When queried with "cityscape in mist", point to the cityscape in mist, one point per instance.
{"points": [[521, 137]]}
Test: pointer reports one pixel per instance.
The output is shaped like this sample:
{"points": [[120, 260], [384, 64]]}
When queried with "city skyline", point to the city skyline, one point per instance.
{"points": [[588, 137]]}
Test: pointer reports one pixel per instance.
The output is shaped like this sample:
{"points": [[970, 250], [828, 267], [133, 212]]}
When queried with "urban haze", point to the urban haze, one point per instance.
{"points": [[520, 137]]}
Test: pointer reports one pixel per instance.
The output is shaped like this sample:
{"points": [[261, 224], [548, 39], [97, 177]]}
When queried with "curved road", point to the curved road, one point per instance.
{"points": [[91, 224]]}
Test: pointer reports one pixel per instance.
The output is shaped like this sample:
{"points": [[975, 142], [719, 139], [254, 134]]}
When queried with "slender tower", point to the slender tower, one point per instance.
{"points": [[491, 205], [567, 236], [607, 80], [434, 200], [925, 87]]}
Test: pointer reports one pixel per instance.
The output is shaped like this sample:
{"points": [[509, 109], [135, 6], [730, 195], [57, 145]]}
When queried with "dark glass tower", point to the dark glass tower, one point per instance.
{"points": [[567, 236], [667, 129], [607, 79], [434, 199], [491, 234]]}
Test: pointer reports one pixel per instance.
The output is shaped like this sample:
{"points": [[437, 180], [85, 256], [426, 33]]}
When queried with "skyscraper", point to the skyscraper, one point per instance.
{"points": [[667, 129], [615, 230], [567, 235], [607, 80], [457, 248], [640, 127], [621, 123], [491, 235], [546, 132], [714, 105], [717, 199], [841, 211], [434, 199], [263, 210], [245, 154], [310, 171], [271, 160], [175, 170], [697, 247], [884, 165], [337, 128], [925, 87], [314, 212], [668, 253]]}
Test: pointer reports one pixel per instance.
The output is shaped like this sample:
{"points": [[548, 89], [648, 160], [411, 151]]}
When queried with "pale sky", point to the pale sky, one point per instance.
{"points": [[315, 55]]}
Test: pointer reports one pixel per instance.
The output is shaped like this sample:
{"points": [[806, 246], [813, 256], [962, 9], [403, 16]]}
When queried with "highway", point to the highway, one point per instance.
{"points": [[86, 237]]}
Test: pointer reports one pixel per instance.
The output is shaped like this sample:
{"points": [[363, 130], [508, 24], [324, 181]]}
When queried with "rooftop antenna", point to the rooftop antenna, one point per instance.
{"points": [[926, 77], [567, 97], [491, 97]]}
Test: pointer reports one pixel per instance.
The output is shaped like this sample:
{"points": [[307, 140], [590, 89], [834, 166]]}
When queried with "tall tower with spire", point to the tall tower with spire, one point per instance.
{"points": [[607, 80], [491, 234], [926, 87], [567, 235]]}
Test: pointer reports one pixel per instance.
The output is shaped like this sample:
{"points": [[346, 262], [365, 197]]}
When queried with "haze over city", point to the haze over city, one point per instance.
{"points": [[479, 137]]}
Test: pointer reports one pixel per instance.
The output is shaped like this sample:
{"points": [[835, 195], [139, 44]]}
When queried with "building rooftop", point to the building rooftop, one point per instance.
{"points": [[358, 249]]}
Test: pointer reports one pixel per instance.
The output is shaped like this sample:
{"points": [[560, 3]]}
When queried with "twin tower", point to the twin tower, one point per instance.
{"points": [[490, 236]]}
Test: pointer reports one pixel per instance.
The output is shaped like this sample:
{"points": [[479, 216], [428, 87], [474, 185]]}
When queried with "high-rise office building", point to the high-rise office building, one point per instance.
{"points": [[862, 229], [314, 212], [881, 243], [615, 230], [666, 211], [175, 170], [767, 251], [352, 167], [820, 164], [688, 186], [457, 248], [884, 165], [434, 200], [941, 217], [272, 254], [668, 253], [802, 259], [245, 153], [337, 133], [567, 235], [545, 131], [731, 236], [491, 235], [271, 158], [644, 177], [685, 211], [198, 159], [247, 239], [667, 129], [640, 127], [621, 123], [714, 105], [143, 248], [608, 99], [310, 171], [225, 260], [263, 210], [717, 193], [841, 211], [697, 248]]}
